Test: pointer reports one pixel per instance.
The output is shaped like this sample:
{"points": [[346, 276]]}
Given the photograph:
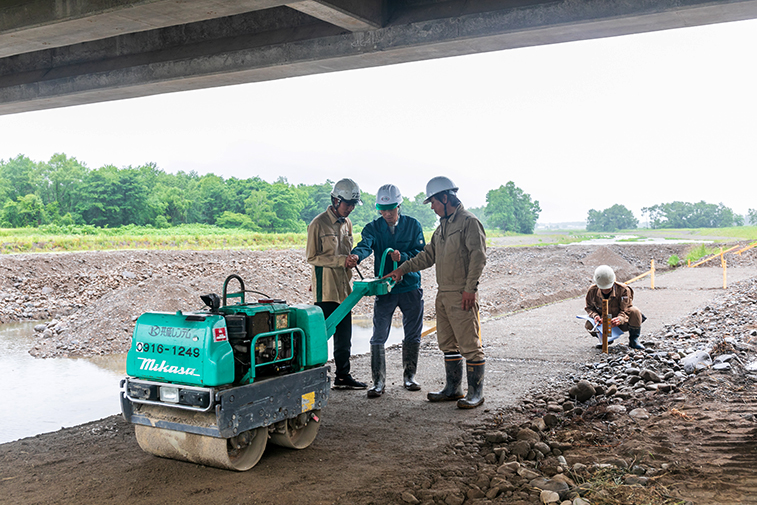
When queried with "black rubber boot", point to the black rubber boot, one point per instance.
{"points": [[475, 396], [410, 365], [453, 390], [633, 338], [378, 370]]}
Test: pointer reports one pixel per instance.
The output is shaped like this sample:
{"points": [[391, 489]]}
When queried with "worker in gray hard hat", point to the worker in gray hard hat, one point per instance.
{"points": [[329, 247], [458, 249], [404, 234], [624, 314]]}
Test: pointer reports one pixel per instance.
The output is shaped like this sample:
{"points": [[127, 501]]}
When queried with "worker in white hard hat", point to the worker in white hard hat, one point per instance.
{"points": [[328, 250], [458, 249], [624, 314], [404, 234]]}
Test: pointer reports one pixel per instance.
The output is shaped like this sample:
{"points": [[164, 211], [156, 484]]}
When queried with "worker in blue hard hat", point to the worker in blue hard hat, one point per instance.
{"points": [[458, 249], [328, 251], [404, 234]]}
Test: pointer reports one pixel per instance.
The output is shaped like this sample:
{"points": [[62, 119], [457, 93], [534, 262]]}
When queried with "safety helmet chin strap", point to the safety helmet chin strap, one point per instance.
{"points": [[336, 202], [446, 216]]}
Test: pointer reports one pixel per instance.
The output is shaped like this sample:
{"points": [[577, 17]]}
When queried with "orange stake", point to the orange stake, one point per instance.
{"points": [[605, 324], [725, 273]]}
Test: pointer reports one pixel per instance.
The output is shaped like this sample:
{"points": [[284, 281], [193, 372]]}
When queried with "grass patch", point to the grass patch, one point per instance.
{"points": [[185, 237], [570, 238], [738, 232], [714, 234], [700, 251]]}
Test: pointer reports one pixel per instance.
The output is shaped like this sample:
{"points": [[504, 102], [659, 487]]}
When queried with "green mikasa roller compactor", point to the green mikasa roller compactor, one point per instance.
{"points": [[213, 386]]}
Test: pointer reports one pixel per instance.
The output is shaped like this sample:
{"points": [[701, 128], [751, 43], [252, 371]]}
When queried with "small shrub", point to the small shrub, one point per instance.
{"points": [[673, 260]]}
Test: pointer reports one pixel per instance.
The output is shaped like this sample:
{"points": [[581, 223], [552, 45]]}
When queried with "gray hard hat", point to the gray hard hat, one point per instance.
{"points": [[438, 185]]}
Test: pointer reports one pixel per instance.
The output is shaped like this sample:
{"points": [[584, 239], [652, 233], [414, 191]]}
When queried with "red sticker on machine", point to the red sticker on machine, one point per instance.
{"points": [[220, 335]]}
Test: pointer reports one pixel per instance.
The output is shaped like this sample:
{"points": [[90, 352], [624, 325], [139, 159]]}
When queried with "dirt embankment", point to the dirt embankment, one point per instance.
{"points": [[94, 298]]}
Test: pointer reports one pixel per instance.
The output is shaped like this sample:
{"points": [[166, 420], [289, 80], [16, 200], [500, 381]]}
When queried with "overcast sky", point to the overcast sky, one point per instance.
{"points": [[636, 120]]}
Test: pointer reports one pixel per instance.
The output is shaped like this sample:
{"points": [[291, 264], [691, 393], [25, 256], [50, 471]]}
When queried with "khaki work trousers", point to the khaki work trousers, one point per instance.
{"points": [[458, 330]]}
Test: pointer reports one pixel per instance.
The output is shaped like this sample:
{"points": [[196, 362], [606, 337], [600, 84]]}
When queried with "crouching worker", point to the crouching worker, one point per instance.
{"points": [[620, 305], [404, 234]]}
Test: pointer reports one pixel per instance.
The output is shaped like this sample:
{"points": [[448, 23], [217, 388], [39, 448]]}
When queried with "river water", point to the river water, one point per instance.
{"points": [[44, 395], [635, 239]]}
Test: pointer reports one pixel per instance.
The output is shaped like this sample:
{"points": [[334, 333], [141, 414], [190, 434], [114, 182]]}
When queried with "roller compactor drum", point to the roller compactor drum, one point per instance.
{"points": [[215, 386]]}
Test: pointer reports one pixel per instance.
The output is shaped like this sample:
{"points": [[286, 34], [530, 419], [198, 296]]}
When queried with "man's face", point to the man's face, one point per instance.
{"points": [[391, 216], [437, 205], [606, 291], [345, 207]]}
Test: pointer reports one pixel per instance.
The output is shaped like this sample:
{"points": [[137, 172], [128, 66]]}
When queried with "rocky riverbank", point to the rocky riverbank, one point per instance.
{"points": [[633, 427]]}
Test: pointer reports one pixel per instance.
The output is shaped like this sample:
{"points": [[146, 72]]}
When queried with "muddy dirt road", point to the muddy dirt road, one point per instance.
{"points": [[367, 451]]}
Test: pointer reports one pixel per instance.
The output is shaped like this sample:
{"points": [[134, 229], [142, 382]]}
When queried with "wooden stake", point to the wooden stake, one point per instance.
{"points": [[725, 273], [652, 271], [605, 324]]}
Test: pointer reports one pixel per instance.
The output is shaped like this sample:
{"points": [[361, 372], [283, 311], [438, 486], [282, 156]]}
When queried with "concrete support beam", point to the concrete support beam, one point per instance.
{"points": [[352, 15], [33, 25], [284, 42]]}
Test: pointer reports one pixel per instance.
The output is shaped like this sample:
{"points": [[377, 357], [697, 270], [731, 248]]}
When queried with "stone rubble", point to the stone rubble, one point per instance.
{"points": [[529, 462]]}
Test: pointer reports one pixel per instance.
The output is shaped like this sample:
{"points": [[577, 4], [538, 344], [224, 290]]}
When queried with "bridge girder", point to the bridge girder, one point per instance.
{"points": [[69, 52]]}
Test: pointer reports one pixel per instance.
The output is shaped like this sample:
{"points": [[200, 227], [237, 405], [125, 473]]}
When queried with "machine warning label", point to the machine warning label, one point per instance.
{"points": [[219, 335], [308, 401]]}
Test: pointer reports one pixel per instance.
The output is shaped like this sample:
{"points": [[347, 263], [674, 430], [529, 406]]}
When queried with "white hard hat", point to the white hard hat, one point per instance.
{"points": [[388, 197], [604, 277], [348, 190], [438, 185]]}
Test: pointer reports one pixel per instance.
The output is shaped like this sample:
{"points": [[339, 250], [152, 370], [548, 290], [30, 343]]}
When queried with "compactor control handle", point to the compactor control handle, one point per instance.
{"points": [[389, 250]]}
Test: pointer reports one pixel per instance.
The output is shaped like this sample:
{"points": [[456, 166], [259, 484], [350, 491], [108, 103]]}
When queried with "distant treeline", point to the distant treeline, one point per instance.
{"points": [[669, 215], [64, 191]]}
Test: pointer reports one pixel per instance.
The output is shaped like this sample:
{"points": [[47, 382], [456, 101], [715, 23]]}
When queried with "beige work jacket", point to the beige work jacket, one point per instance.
{"points": [[619, 303], [458, 249], [329, 244]]}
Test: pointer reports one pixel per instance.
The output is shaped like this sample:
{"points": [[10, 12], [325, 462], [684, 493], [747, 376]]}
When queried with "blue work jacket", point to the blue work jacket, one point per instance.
{"points": [[407, 239]]}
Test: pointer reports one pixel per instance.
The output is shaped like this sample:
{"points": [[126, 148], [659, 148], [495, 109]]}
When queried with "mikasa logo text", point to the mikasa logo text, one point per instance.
{"points": [[151, 365]]}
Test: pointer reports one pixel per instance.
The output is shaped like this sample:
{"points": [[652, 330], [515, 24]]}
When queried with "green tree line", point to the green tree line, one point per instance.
{"points": [[64, 191], [692, 215], [669, 215]]}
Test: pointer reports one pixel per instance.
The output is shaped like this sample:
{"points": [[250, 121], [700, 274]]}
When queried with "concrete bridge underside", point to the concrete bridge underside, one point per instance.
{"points": [[68, 52]]}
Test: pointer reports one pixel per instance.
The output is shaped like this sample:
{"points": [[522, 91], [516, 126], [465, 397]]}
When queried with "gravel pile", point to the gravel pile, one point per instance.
{"points": [[525, 454]]}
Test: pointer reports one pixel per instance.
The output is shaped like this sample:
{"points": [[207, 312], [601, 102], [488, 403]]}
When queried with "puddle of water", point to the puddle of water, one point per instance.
{"points": [[628, 239], [362, 331], [44, 395]]}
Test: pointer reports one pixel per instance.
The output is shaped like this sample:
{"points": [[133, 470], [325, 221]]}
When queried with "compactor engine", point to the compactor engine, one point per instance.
{"points": [[213, 386]]}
